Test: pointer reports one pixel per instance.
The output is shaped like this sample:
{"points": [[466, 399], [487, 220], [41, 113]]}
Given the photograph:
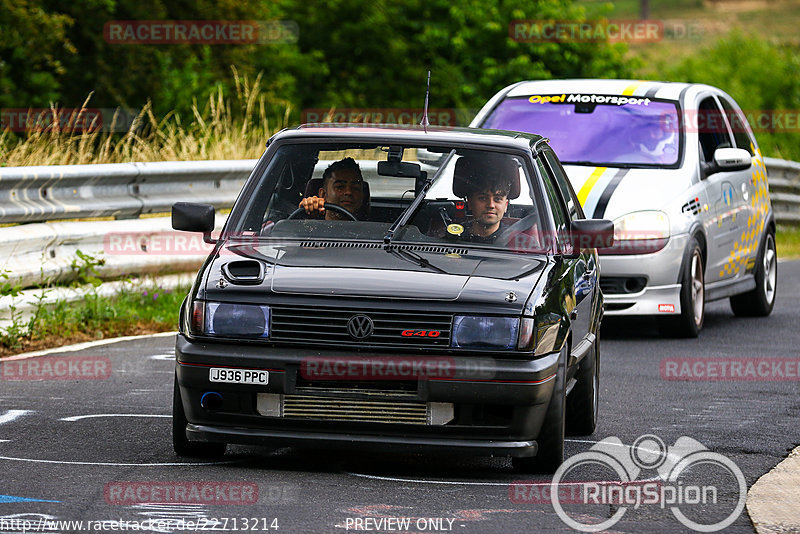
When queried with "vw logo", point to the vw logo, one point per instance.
{"points": [[360, 327]]}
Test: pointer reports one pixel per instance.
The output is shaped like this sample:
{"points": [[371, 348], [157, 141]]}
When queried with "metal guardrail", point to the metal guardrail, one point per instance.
{"points": [[33, 253], [784, 189], [120, 190], [128, 190]]}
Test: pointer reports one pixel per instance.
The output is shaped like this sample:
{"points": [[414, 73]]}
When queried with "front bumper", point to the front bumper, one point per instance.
{"points": [[498, 405], [661, 293]]}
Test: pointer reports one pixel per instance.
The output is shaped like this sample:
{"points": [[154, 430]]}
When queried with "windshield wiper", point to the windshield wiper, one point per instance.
{"points": [[414, 258], [409, 211]]}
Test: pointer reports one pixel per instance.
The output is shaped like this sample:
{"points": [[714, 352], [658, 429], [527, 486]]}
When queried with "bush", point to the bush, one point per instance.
{"points": [[759, 75]]}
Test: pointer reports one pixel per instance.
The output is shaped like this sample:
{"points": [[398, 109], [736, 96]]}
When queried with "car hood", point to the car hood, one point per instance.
{"points": [[610, 192], [367, 270]]}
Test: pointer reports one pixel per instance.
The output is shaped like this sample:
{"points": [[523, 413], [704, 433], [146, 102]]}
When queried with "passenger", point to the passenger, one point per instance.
{"points": [[342, 184], [488, 207], [486, 184]]}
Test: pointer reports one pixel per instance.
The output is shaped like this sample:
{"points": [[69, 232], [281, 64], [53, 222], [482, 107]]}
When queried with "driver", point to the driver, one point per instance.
{"points": [[342, 184]]}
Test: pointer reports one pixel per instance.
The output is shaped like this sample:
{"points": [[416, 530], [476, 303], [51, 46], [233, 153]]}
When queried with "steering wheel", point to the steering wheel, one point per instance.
{"points": [[328, 206]]}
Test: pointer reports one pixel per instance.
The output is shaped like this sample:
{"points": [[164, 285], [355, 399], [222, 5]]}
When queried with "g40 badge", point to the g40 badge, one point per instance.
{"points": [[420, 333]]}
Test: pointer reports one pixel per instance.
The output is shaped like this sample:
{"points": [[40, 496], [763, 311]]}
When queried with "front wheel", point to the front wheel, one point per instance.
{"points": [[180, 443], [760, 301], [583, 400], [550, 454], [692, 296]]}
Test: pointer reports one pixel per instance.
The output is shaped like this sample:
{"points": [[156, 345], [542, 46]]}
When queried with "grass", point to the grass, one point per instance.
{"points": [[775, 21], [137, 309], [787, 240], [236, 127]]}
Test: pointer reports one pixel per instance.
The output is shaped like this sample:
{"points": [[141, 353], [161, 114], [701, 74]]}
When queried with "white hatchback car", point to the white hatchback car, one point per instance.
{"points": [[678, 170]]}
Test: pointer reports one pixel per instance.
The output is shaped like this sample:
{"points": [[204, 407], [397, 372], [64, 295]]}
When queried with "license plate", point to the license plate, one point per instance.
{"points": [[238, 376]]}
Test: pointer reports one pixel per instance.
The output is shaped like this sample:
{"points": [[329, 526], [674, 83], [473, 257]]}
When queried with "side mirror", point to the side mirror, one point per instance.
{"points": [[729, 159], [732, 159], [191, 217], [591, 233]]}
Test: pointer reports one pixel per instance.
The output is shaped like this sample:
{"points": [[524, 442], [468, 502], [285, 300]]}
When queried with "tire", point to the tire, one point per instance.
{"points": [[180, 443], [583, 400], [692, 296], [760, 301], [551, 436]]}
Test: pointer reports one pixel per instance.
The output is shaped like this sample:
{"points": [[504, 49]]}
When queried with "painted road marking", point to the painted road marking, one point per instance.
{"points": [[12, 415], [5, 499], [506, 483], [79, 417], [118, 464]]}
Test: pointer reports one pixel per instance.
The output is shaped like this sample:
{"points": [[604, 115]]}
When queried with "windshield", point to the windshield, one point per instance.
{"points": [[596, 129], [366, 193]]}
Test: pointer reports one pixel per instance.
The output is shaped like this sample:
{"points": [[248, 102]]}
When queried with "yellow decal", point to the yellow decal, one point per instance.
{"points": [[455, 229], [583, 194], [632, 87]]}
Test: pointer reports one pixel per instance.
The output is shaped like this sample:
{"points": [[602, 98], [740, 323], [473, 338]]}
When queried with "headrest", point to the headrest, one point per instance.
{"points": [[477, 171], [312, 190]]}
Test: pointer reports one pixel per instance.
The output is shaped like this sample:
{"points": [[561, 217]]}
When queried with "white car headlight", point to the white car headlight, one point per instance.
{"points": [[640, 232]]}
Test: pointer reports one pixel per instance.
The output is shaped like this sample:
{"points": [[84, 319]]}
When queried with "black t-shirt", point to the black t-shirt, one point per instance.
{"points": [[489, 239]]}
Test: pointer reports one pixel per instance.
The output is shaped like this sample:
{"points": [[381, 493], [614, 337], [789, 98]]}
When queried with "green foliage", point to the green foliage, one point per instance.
{"points": [[350, 53], [787, 239], [33, 42], [84, 269], [376, 53], [136, 307], [6, 287], [759, 75]]}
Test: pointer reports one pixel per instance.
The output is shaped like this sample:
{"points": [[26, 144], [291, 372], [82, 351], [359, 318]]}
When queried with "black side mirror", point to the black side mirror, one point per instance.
{"points": [[591, 233], [191, 217]]}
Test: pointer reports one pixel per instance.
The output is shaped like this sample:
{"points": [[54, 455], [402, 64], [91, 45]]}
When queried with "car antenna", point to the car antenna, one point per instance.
{"points": [[424, 122]]}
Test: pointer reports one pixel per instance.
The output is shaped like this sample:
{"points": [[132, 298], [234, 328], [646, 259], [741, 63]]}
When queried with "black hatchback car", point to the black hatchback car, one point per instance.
{"points": [[394, 288]]}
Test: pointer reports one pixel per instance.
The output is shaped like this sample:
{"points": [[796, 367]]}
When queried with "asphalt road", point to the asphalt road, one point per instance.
{"points": [[57, 464]]}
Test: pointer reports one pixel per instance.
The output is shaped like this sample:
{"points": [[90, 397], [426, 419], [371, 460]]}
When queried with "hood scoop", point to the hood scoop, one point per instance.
{"points": [[413, 248], [244, 272]]}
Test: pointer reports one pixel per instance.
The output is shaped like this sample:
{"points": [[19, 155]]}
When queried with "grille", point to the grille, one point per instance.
{"points": [[329, 325], [369, 411]]}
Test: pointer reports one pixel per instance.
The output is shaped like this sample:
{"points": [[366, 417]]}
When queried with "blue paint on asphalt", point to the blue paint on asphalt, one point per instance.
{"points": [[11, 498]]}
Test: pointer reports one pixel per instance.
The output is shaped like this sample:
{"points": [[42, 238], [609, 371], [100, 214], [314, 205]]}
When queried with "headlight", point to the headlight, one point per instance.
{"points": [[641, 232], [230, 320], [484, 332]]}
